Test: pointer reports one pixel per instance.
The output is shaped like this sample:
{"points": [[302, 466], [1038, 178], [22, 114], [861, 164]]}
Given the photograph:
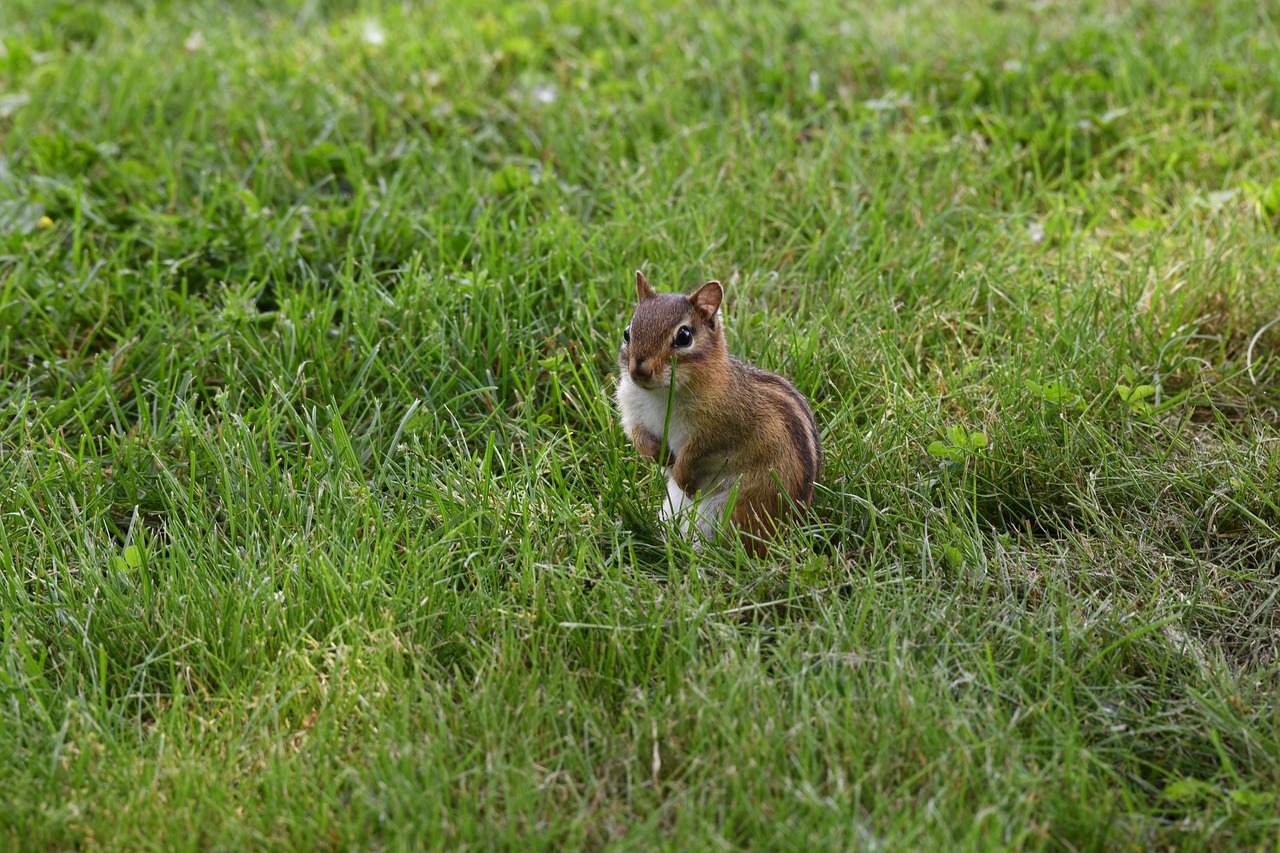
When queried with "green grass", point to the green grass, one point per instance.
{"points": [[318, 529]]}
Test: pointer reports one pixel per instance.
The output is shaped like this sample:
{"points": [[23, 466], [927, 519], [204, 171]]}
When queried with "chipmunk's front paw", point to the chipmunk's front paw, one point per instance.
{"points": [[649, 445], [685, 481]]}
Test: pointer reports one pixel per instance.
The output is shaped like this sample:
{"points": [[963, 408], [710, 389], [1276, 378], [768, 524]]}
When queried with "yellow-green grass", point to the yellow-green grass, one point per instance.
{"points": [[317, 529]]}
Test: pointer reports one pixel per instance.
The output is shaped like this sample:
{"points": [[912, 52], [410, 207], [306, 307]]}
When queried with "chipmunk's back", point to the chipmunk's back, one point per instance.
{"points": [[797, 419]]}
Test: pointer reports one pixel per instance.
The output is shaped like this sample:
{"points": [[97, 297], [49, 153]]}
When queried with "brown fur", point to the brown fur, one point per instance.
{"points": [[743, 420]]}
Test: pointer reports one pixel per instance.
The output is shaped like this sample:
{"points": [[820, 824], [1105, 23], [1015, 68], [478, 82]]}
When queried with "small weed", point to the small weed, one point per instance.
{"points": [[130, 560], [960, 445], [1057, 396], [1135, 397]]}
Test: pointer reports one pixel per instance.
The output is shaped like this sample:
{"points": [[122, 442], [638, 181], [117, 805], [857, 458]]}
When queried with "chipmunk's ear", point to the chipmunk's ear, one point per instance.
{"points": [[707, 300], [644, 290]]}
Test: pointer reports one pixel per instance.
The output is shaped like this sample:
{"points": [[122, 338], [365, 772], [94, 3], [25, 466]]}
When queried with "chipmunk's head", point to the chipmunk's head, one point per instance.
{"points": [[669, 332]]}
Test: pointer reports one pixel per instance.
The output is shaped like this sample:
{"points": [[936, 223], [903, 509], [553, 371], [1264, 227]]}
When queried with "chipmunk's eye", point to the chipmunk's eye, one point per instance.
{"points": [[626, 335], [684, 336]]}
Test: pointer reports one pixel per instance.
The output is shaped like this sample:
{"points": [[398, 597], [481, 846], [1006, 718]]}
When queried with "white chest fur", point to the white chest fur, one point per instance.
{"points": [[648, 408], [641, 407]]}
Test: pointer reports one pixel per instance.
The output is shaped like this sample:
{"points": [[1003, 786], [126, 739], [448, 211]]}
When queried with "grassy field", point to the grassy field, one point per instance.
{"points": [[318, 530]]}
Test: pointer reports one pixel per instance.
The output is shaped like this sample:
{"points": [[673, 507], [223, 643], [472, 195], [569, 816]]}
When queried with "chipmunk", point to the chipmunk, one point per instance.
{"points": [[727, 425]]}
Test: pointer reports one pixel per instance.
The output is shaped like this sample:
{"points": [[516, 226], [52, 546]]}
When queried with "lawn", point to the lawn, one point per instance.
{"points": [[318, 529]]}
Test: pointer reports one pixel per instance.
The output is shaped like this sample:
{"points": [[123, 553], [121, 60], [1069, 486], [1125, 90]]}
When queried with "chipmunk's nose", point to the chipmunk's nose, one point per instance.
{"points": [[640, 371]]}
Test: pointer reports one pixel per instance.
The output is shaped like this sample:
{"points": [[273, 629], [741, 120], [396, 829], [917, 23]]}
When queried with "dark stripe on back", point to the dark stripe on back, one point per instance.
{"points": [[787, 388], [803, 435]]}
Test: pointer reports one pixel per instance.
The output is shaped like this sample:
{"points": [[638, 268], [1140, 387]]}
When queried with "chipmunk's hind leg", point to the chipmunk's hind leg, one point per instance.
{"points": [[759, 512]]}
